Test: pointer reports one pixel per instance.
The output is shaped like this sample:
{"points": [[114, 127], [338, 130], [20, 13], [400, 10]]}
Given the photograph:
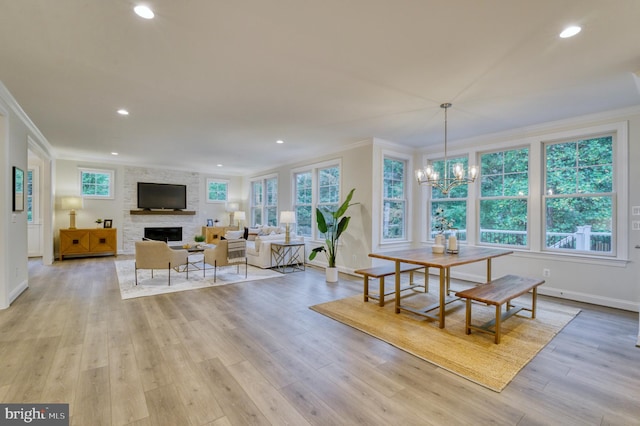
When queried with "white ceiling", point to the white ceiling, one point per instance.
{"points": [[213, 81]]}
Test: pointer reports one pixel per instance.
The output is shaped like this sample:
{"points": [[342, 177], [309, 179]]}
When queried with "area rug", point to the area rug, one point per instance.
{"points": [[475, 357], [148, 286]]}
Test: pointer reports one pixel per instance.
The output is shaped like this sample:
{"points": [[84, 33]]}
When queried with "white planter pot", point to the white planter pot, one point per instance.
{"points": [[331, 275]]}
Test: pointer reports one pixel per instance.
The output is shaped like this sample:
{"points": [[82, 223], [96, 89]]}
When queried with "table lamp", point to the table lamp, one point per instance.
{"points": [[231, 209], [240, 215], [71, 204], [287, 217]]}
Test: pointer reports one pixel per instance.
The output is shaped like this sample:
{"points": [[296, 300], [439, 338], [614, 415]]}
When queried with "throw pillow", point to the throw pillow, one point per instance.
{"points": [[233, 235]]}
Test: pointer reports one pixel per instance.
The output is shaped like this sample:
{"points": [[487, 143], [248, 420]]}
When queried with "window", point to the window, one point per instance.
{"points": [[394, 202], [504, 192], [303, 203], [454, 203], [317, 187], [579, 195], [264, 201], [217, 191], [96, 183], [30, 196]]}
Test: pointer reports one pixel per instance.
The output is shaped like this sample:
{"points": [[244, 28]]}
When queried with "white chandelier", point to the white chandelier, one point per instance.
{"points": [[428, 175]]}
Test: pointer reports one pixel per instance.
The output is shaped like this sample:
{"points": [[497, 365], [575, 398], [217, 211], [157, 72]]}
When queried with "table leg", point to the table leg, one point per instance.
{"points": [[366, 288], [443, 292], [397, 287], [488, 270]]}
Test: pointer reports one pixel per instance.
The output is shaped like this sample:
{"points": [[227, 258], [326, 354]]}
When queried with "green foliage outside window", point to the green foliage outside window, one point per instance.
{"points": [[504, 190], [394, 204], [96, 184], [579, 199], [217, 190]]}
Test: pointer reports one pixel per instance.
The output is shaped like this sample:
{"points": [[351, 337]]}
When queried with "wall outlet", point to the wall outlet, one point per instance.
{"points": [[635, 210], [546, 272], [635, 225]]}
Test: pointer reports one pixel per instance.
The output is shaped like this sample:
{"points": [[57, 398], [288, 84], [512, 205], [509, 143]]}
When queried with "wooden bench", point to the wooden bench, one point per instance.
{"points": [[498, 292], [390, 269]]}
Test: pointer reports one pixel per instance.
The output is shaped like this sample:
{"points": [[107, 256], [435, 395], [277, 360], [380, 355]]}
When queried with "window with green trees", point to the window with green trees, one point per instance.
{"points": [[454, 204], [264, 201], [217, 190], [96, 183], [315, 186], [504, 193], [579, 195], [303, 205], [394, 203]]}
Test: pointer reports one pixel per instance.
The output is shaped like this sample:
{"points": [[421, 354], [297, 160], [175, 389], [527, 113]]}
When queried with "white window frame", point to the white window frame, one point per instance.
{"points": [[408, 172], [109, 172], [613, 195], [526, 197], [262, 180], [314, 170], [217, 180]]}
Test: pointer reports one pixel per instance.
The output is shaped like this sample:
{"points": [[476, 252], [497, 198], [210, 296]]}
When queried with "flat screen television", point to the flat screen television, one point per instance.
{"points": [[162, 196]]}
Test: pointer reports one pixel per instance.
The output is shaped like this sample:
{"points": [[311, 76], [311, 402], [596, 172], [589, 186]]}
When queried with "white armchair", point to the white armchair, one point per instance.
{"points": [[158, 255], [226, 253]]}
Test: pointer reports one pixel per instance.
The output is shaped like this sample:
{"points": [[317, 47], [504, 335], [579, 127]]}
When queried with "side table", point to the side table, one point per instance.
{"points": [[288, 257]]}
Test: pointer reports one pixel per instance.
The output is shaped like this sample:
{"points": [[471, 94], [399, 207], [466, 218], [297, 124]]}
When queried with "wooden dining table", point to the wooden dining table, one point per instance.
{"points": [[444, 261]]}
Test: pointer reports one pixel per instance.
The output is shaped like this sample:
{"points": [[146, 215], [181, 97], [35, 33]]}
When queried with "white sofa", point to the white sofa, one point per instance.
{"points": [[259, 249]]}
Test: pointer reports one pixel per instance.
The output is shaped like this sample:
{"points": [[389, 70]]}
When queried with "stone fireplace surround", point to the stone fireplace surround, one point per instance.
{"points": [[133, 225]]}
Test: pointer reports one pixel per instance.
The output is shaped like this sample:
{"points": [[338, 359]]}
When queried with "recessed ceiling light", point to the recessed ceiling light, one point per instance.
{"points": [[219, 165], [123, 112], [570, 31], [114, 153], [280, 141], [143, 11]]}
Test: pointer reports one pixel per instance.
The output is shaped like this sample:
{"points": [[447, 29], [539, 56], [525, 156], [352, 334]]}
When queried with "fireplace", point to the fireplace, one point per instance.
{"points": [[167, 233]]}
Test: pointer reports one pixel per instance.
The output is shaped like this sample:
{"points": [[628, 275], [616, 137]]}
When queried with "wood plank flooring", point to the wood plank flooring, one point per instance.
{"points": [[254, 354]]}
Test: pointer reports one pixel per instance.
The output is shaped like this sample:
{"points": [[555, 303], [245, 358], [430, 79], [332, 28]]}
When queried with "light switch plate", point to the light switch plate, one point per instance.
{"points": [[635, 210], [635, 225]]}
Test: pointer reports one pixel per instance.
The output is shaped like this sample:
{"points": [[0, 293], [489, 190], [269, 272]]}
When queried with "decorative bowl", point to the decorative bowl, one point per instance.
{"points": [[437, 248]]}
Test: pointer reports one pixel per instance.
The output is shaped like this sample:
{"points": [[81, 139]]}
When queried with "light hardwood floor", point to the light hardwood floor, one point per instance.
{"points": [[253, 353]]}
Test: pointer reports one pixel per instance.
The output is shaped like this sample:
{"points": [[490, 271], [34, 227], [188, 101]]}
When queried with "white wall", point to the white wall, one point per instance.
{"points": [[15, 131]]}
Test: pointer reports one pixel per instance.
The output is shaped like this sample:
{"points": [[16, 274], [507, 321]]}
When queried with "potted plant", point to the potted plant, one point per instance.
{"points": [[98, 222], [332, 224]]}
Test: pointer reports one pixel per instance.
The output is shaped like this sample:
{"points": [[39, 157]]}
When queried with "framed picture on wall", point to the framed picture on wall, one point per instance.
{"points": [[18, 189], [209, 222], [108, 223]]}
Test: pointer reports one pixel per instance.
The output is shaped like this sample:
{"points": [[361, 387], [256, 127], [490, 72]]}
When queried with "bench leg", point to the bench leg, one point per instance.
{"points": [[410, 277], [498, 320], [467, 317], [366, 288], [381, 300]]}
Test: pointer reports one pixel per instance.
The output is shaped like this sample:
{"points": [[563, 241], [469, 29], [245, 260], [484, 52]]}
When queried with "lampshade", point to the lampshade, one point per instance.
{"points": [[240, 215], [72, 203], [233, 207], [287, 217]]}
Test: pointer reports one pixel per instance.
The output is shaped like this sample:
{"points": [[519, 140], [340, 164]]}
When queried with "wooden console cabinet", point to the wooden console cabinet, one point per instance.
{"points": [[212, 234], [86, 242]]}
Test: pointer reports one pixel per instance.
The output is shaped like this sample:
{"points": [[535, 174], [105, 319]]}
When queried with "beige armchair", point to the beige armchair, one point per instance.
{"points": [[226, 253], [158, 255]]}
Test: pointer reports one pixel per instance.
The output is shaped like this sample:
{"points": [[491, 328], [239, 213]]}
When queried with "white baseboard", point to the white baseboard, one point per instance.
{"points": [[566, 294], [18, 291]]}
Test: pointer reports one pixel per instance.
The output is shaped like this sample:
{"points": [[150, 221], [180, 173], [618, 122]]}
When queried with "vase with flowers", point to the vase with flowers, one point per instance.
{"points": [[441, 224]]}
